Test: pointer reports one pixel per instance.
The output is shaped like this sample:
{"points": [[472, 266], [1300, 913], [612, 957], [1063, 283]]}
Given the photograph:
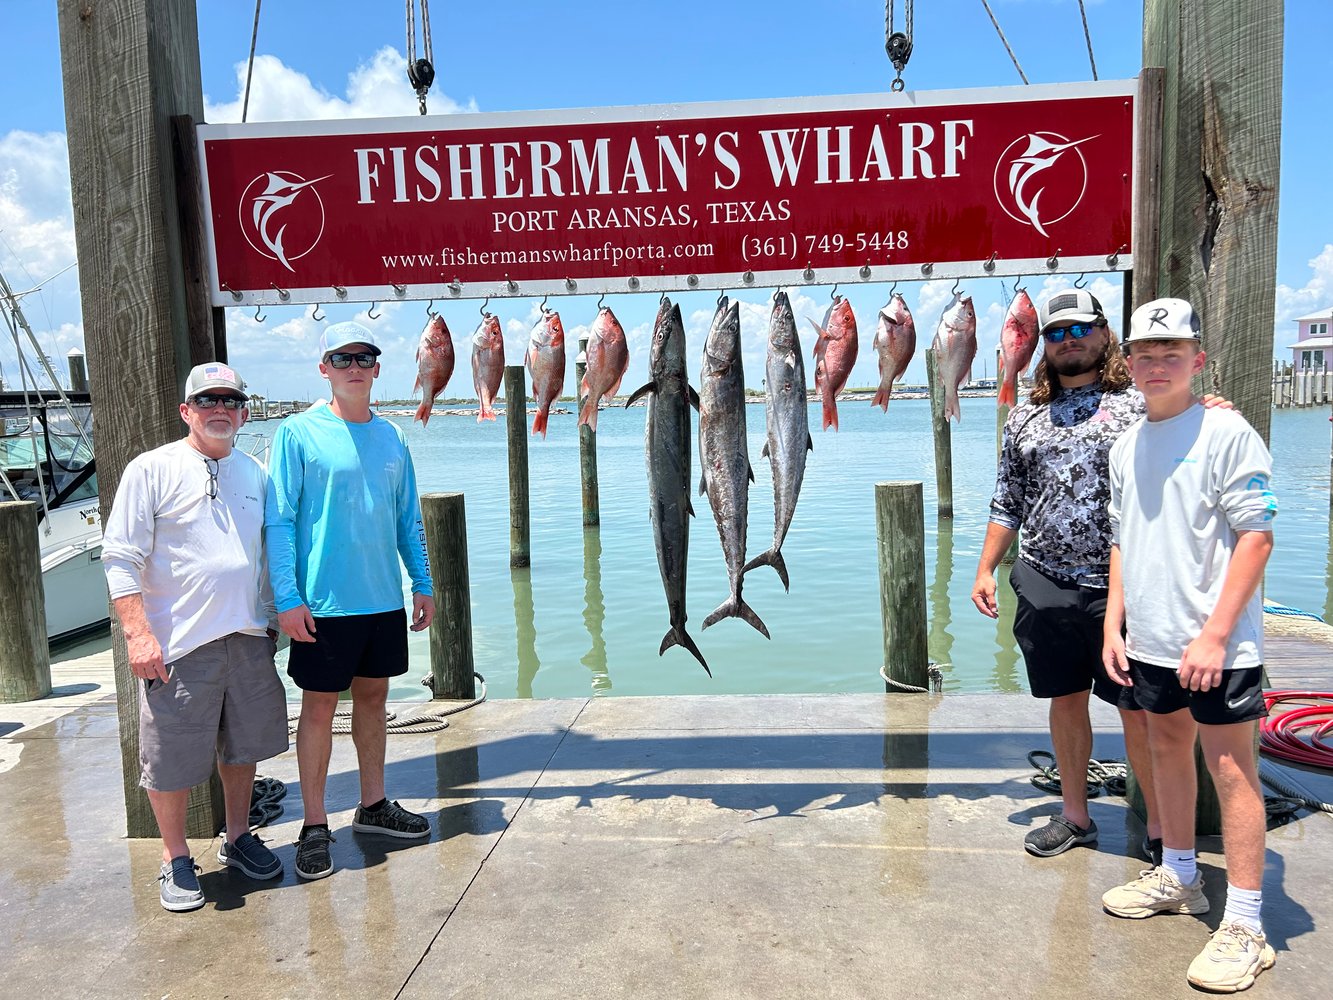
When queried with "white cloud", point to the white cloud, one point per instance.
{"points": [[1316, 295]]}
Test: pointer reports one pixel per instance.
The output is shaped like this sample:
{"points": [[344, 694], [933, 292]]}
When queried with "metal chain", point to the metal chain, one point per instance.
{"points": [[898, 44], [420, 72]]}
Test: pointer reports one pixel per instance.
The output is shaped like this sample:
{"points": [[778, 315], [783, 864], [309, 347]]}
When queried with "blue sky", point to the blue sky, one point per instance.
{"points": [[345, 57]]}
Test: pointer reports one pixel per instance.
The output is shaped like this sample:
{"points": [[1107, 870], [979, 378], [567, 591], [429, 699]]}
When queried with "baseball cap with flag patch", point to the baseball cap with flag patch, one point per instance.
{"points": [[1073, 305], [1164, 319], [214, 375]]}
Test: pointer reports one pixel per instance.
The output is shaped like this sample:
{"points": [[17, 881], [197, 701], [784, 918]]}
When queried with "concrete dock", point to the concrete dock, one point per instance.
{"points": [[768, 846]]}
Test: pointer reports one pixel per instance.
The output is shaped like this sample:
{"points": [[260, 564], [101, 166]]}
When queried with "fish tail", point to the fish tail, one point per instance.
{"points": [[423, 411], [882, 397], [951, 407], [830, 411], [588, 415], [773, 557], [1008, 393], [677, 636], [539, 423]]}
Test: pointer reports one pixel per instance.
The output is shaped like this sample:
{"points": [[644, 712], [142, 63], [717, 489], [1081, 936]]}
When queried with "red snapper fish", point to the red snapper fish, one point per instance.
{"points": [[835, 354], [546, 363], [895, 341], [955, 346], [1018, 339], [435, 364], [608, 356], [488, 364]]}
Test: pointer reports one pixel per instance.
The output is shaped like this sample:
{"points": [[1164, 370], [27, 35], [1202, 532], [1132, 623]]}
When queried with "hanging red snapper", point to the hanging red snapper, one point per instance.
{"points": [[955, 346], [488, 364], [895, 342], [1018, 339], [608, 356], [546, 363], [835, 354], [435, 364]]}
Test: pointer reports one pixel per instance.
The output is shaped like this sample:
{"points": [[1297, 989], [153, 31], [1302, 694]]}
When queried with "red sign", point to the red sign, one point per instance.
{"points": [[1016, 180]]}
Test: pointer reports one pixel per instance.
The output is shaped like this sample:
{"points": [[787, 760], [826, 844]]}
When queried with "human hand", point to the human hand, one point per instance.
{"points": [[1211, 402], [1201, 664], [423, 612], [298, 623], [983, 594], [1116, 660], [146, 656]]}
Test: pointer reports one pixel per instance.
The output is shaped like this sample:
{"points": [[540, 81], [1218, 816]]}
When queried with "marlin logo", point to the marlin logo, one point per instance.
{"points": [[1031, 173], [278, 195]]}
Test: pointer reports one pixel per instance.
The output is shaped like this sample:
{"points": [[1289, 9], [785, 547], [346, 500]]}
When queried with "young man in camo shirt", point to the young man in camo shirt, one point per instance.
{"points": [[1053, 483]]}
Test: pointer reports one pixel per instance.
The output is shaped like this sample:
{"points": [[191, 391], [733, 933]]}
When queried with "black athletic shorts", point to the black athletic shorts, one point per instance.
{"points": [[1239, 698], [350, 646], [1058, 626]]}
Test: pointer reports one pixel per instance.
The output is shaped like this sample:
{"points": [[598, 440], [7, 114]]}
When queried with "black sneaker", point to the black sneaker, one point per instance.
{"points": [[180, 885], [1152, 850], [391, 820], [312, 853], [1058, 836], [251, 856]]}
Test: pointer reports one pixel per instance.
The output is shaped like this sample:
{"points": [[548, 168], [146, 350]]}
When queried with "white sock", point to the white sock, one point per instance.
{"points": [[1243, 907], [1181, 864]]}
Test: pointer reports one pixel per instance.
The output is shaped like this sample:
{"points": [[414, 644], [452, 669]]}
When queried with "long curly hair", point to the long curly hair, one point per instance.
{"points": [[1114, 372]]}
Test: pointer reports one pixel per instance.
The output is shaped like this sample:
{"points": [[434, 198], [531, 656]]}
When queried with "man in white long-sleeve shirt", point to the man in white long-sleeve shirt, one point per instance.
{"points": [[183, 551]]}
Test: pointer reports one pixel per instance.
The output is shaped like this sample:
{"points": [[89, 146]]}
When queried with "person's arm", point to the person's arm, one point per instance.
{"points": [[998, 540], [1114, 657], [1201, 665], [412, 547], [286, 475], [127, 539], [145, 651]]}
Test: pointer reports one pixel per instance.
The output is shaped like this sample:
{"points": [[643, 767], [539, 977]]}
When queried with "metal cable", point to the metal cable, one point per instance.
{"points": [[1088, 35], [250, 68], [420, 72], [1000, 32], [898, 44]]}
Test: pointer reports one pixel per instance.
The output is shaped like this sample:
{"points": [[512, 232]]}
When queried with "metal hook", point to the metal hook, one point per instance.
{"points": [[1017, 279], [833, 295], [544, 298], [1053, 261], [599, 301], [956, 283], [662, 298], [1082, 281], [316, 315], [258, 318], [430, 310], [484, 304], [989, 265], [371, 314], [722, 294], [893, 288]]}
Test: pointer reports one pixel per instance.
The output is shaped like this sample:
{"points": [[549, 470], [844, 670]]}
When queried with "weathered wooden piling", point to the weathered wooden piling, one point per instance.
{"points": [[900, 526], [25, 662], [943, 441], [592, 515], [516, 422], [451, 659]]}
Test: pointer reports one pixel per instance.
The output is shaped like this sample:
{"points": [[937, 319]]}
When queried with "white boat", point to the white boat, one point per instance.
{"points": [[46, 456]]}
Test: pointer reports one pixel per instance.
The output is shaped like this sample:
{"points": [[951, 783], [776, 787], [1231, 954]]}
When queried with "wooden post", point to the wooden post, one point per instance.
{"points": [[900, 525], [25, 661], [1222, 130], [451, 661], [1147, 234], [206, 325], [128, 66], [943, 441], [516, 422], [78, 370], [592, 515]]}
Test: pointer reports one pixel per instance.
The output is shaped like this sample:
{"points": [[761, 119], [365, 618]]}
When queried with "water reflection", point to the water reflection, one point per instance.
{"points": [[1005, 676], [939, 640], [594, 611], [525, 630]]}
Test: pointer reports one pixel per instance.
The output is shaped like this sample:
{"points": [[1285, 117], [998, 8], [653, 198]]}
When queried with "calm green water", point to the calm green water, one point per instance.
{"points": [[589, 614]]}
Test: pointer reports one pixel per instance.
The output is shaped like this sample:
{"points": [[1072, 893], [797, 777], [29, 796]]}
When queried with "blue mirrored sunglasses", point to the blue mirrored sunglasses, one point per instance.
{"points": [[1076, 330]]}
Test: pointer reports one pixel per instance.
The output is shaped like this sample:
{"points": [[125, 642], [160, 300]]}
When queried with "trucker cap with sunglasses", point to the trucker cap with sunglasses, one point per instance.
{"points": [[1073, 305], [214, 375], [342, 335]]}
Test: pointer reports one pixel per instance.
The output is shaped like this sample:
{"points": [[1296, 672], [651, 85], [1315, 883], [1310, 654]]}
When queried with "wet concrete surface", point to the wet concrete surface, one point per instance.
{"points": [[768, 846]]}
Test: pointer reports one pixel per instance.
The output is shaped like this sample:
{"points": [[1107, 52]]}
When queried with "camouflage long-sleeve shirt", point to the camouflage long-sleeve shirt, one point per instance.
{"points": [[1053, 480]]}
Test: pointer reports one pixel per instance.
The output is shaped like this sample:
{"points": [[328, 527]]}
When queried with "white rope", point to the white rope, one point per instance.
{"points": [[1000, 32], [1088, 35], [250, 68]]}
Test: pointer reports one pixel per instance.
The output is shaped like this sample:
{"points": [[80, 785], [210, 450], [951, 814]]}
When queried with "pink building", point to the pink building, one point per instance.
{"points": [[1314, 341]]}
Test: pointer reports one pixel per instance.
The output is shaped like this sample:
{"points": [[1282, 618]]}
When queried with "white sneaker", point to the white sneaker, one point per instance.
{"points": [[1156, 890], [1231, 959]]}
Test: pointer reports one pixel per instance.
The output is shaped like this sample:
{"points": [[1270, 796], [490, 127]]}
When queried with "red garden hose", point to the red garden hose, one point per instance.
{"points": [[1299, 734]]}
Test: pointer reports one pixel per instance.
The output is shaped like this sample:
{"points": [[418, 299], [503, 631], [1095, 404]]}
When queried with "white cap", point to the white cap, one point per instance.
{"points": [[1164, 319], [1073, 305], [214, 375], [341, 335]]}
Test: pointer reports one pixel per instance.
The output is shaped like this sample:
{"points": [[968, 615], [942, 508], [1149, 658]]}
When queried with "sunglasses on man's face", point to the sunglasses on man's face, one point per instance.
{"points": [[208, 402], [1076, 330], [341, 359]]}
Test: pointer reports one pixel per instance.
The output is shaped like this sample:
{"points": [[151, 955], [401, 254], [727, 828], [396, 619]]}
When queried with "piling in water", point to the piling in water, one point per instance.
{"points": [[592, 515], [943, 442], [900, 526], [516, 422], [25, 661], [451, 660]]}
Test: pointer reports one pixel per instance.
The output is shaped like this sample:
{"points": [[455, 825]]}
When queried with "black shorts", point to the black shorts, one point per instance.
{"points": [[1239, 698], [350, 646], [1058, 626]]}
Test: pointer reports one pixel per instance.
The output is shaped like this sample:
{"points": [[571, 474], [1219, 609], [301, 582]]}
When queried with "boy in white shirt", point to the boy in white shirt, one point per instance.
{"points": [[1191, 520]]}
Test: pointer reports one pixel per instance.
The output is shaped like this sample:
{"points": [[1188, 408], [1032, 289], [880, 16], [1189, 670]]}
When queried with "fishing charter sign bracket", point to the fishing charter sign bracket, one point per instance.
{"points": [[801, 191]]}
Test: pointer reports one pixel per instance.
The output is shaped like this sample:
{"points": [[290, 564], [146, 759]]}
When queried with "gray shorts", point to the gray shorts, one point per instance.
{"points": [[223, 700]]}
